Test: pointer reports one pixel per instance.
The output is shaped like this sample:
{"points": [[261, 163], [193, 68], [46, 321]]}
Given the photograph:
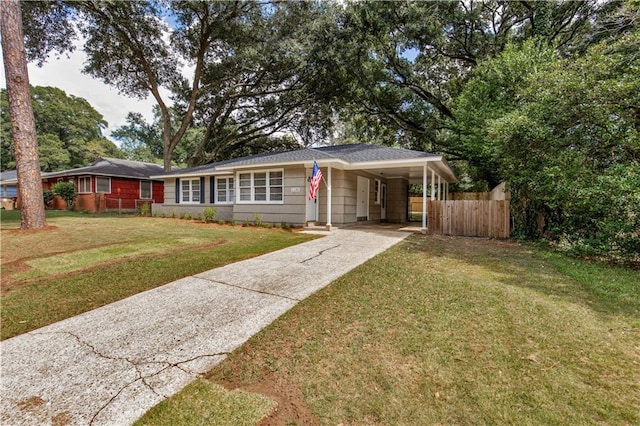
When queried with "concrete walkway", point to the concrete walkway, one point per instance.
{"points": [[110, 365]]}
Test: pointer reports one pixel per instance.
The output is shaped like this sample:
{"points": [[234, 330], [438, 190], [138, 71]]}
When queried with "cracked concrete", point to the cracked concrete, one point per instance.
{"points": [[110, 365]]}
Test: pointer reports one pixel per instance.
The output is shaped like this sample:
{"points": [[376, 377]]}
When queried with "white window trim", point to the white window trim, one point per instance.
{"points": [[190, 191], [90, 185], [150, 190], [103, 192], [253, 192], [230, 199]]}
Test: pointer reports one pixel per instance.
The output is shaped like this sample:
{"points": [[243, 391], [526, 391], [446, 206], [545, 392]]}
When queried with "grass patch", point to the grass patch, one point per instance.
{"points": [[75, 261], [211, 404], [457, 331], [84, 262]]}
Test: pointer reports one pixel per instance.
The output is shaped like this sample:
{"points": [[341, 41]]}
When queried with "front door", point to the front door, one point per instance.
{"points": [[383, 201], [362, 199]]}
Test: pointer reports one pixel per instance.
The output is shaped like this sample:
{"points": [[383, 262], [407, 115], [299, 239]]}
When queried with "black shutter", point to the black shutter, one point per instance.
{"points": [[212, 190], [177, 190], [202, 197]]}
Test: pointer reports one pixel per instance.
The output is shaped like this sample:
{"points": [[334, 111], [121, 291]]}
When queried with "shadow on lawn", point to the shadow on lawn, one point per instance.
{"points": [[599, 286]]}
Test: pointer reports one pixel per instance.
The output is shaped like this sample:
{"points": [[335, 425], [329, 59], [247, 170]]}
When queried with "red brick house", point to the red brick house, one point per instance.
{"points": [[110, 184]]}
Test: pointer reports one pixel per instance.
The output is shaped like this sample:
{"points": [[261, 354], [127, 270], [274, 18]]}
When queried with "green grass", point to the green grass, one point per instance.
{"points": [[455, 331], [211, 404], [10, 219], [87, 261], [74, 261]]}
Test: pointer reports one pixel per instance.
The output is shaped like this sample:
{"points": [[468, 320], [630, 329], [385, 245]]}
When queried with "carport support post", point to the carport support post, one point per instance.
{"points": [[424, 199], [433, 184], [328, 225]]}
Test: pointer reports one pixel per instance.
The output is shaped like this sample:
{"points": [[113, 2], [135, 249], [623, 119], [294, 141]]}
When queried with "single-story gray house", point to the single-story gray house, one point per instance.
{"points": [[360, 183]]}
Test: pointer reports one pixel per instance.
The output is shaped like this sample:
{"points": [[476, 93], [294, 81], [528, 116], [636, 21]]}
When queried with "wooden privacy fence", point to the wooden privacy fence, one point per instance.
{"points": [[469, 218]]}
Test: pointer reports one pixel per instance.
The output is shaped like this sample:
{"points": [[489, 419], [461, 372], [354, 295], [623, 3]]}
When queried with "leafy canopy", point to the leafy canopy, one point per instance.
{"points": [[69, 131]]}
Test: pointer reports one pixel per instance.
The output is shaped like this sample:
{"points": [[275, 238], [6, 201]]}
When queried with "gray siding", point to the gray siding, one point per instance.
{"points": [[293, 209]]}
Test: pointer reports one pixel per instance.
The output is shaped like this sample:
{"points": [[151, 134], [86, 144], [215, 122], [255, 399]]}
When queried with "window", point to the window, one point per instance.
{"points": [[376, 191], [245, 186], [103, 184], [224, 190], [84, 184], [190, 190], [261, 187], [275, 186], [145, 189]]}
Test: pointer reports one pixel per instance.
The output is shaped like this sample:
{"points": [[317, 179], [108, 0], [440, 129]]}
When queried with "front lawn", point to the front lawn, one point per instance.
{"points": [[85, 261], [439, 331]]}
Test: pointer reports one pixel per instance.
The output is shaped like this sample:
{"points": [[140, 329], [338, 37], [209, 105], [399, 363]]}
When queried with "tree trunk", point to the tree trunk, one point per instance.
{"points": [[23, 125]]}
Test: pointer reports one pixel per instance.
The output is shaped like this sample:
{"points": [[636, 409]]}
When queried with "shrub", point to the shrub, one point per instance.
{"points": [[209, 214], [234, 222], [257, 220], [245, 223], [221, 222], [48, 197], [286, 226], [145, 209], [66, 191]]}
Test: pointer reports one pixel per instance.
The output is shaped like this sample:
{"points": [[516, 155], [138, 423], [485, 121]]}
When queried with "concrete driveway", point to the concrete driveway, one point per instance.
{"points": [[109, 366]]}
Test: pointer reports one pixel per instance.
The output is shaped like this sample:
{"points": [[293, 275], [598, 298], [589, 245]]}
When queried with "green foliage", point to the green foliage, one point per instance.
{"points": [[221, 222], [234, 222], [139, 141], [145, 209], [565, 134], [286, 226], [48, 197], [69, 131], [257, 220], [209, 214], [66, 191], [245, 223]]}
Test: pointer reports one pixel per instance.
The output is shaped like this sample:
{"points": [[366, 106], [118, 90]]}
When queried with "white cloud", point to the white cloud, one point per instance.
{"points": [[65, 73]]}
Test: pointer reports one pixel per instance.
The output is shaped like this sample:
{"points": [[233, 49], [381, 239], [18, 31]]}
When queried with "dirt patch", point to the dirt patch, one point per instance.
{"points": [[31, 404], [29, 231], [61, 419], [290, 408]]}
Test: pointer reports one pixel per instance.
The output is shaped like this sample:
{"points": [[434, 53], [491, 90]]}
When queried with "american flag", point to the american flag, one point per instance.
{"points": [[314, 184]]}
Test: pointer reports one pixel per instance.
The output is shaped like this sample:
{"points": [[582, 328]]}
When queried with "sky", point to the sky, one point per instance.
{"points": [[65, 73]]}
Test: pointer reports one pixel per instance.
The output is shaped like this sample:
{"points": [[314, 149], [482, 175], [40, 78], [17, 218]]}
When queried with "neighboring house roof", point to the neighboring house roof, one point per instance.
{"points": [[112, 167], [355, 156], [8, 177], [8, 182]]}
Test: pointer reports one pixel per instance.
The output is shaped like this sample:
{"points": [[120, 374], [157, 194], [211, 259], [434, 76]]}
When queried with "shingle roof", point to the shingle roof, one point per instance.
{"points": [[113, 167], [9, 175], [355, 153], [361, 153]]}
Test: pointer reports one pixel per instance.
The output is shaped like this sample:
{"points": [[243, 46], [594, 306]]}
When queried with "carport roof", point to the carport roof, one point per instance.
{"points": [[373, 158]]}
